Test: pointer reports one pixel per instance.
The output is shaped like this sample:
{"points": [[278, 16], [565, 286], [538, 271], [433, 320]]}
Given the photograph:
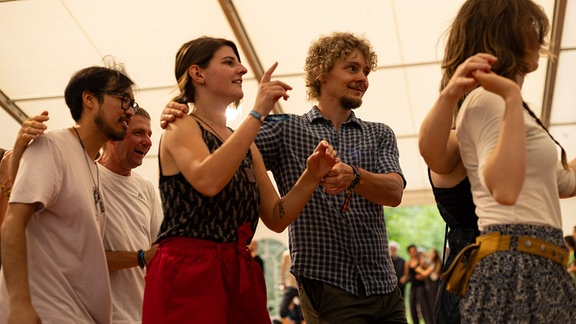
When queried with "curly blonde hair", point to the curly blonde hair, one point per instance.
{"points": [[324, 52]]}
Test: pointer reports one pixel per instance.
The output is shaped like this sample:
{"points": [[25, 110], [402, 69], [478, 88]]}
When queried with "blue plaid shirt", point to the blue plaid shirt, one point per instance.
{"points": [[326, 244]]}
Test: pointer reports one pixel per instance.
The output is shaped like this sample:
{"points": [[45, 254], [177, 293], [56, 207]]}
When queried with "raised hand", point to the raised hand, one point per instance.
{"points": [[463, 79], [269, 92], [497, 84], [321, 161]]}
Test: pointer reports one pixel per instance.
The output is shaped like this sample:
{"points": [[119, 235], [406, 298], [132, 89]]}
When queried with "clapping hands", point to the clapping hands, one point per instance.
{"points": [[321, 161]]}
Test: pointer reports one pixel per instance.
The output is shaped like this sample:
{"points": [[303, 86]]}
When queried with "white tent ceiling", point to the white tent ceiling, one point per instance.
{"points": [[45, 41]]}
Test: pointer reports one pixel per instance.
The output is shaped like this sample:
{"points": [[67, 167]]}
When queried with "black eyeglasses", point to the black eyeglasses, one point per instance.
{"points": [[127, 102]]}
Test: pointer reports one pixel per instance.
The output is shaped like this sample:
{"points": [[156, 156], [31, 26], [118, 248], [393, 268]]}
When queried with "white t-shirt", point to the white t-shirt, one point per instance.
{"points": [[134, 216], [67, 270], [477, 127]]}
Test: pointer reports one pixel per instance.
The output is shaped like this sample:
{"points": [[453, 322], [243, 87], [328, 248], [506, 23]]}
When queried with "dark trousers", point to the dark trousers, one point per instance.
{"points": [[419, 297], [323, 303]]}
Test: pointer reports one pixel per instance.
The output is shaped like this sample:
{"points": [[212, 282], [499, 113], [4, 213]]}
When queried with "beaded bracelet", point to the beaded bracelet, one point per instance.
{"points": [[141, 260]]}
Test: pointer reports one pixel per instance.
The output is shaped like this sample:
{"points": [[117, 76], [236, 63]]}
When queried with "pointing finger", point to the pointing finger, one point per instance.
{"points": [[266, 77]]}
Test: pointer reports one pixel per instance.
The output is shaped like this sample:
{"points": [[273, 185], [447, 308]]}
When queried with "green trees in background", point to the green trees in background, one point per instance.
{"points": [[419, 225]]}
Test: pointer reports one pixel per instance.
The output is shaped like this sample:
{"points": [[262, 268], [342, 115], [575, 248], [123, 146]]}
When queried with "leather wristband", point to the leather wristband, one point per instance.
{"points": [[356, 179]]}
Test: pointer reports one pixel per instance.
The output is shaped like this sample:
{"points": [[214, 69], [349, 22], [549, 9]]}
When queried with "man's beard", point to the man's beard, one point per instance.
{"points": [[110, 132], [349, 103]]}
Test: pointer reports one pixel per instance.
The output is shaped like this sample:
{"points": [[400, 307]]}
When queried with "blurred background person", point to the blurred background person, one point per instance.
{"points": [[431, 272], [290, 309], [418, 300], [253, 248], [399, 263]]}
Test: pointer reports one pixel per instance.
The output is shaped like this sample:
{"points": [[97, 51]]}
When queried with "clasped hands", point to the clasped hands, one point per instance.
{"points": [[335, 176], [338, 179]]}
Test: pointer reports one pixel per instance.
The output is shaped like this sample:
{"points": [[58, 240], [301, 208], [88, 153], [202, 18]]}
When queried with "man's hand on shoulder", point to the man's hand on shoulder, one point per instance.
{"points": [[172, 111]]}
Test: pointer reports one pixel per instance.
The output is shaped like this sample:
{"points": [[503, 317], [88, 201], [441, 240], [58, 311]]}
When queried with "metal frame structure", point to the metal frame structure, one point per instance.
{"points": [[240, 32]]}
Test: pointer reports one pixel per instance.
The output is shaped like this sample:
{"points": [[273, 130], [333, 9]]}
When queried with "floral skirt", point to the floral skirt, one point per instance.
{"points": [[516, 287]]}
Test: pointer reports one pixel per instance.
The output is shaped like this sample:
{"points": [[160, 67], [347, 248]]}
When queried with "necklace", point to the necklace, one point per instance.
{"points": [[247, 169], [96, 184], [209, 126]]}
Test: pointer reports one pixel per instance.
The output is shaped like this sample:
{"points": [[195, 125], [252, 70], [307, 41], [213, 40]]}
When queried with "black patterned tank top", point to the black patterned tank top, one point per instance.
{"points": [[455, 204], [457, 208], [188, 213]]}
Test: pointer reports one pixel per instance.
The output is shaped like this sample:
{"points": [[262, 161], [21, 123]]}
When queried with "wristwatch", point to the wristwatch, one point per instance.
{"points": [[356, 179]]}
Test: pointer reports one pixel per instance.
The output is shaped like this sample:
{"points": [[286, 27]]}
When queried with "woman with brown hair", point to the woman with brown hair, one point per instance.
{"points": [[214, 188], [515, 175]]}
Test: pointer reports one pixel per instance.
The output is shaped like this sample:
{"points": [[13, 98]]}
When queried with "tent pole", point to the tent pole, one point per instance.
{"points": [[245, 43]]}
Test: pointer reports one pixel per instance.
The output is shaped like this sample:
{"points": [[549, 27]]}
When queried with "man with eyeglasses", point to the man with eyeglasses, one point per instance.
{"points": [[54, 265], [133, 210], [127, 101]]}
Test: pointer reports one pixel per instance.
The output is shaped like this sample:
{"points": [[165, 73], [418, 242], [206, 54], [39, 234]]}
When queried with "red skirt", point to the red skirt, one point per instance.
{"points": [[199, 281]]}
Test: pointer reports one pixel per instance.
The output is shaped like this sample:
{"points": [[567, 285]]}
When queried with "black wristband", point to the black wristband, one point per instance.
{"points": [[141, 259], [356, 179]]}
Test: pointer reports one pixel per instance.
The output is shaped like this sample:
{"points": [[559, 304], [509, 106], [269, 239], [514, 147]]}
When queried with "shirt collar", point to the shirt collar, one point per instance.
{"points": [[314, 115]]}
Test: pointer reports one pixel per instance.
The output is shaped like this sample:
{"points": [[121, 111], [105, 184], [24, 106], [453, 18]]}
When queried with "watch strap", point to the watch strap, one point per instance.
{"points": [[356, 179]]}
